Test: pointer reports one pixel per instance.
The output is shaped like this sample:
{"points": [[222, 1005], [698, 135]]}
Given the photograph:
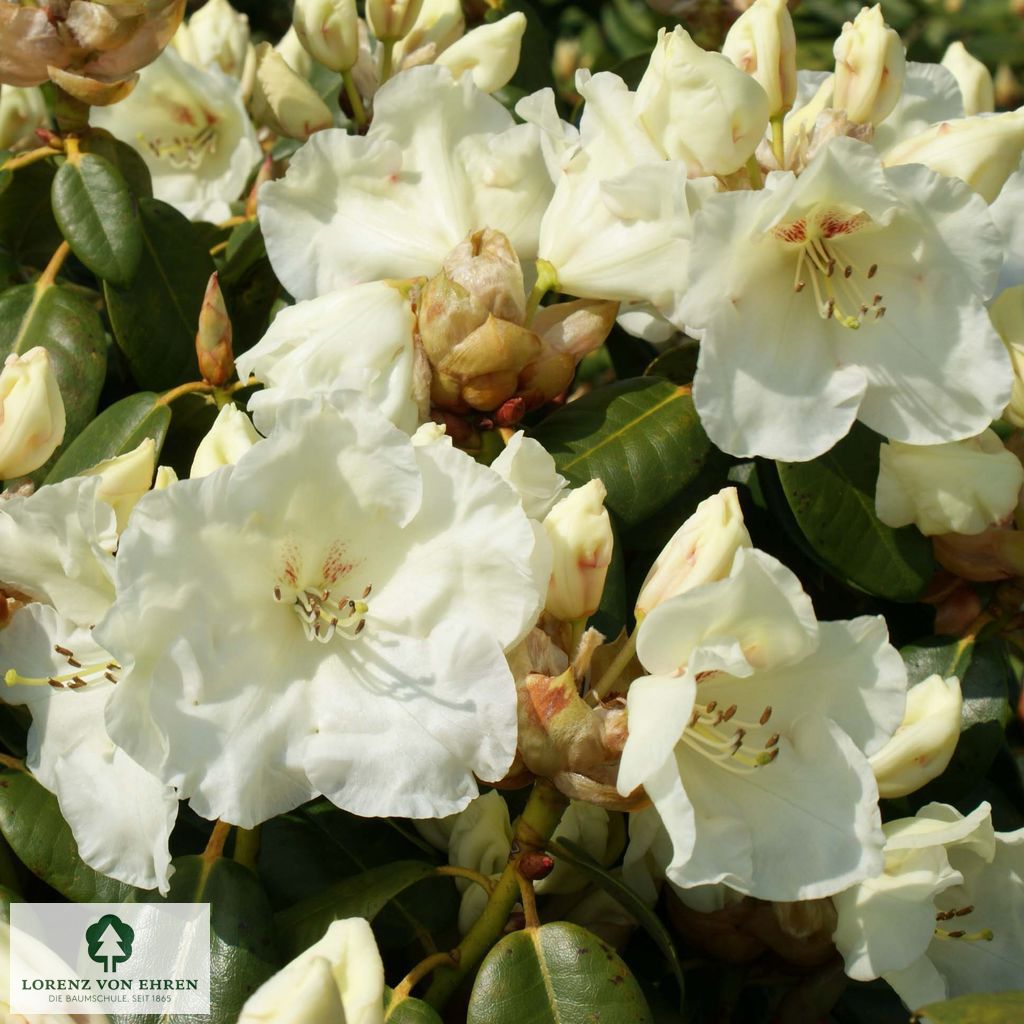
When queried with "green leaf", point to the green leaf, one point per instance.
{"points": [[118, 429], [558, 972], [70, 330], [127, 160], [618, 890], [641, 437], [937, 656], [408, 1011], [27, 225], [97, 215], [994, 1008], [243, 946], [363, 895], [678, 364], [32, 824], [155, 319], [832, 499]]}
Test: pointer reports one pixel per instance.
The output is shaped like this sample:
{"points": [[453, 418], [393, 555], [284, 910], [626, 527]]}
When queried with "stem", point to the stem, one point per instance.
{"points": [[358, 110], [72, 114], [194, 387], [247, 847], [24, 159], [779, 140], [614, 670], [386, 59], [533, 830], [13, 763], [233, 222], [220, 247], [416, 975], [451, 871], [529, 899], [754, 173], [49, 275], [547, 278], [218, 837]]}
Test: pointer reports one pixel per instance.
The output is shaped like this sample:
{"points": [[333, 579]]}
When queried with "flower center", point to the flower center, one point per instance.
{"points": [[718, 734], [324, 616], [188, 147], [82, 675], [840, 286], [982, 935]]}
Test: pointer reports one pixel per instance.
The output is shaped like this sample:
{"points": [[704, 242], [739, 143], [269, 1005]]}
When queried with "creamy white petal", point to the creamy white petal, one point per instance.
{"points": [[930, 94]]}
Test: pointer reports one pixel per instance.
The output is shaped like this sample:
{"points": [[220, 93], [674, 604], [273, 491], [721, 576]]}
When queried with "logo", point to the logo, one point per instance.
{"points": [[110, 942]]}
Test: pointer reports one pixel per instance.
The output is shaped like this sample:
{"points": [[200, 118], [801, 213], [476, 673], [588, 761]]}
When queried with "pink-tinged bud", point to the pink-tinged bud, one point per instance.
{"points": [[329, 31], [213, 339], [995, 554], [762, 43], [576, 328], [391, 20], [701, 551], [535, 865], [31, 413], [580, 532], [282, 101], [486, 265], [870, 67], [125, 479]]}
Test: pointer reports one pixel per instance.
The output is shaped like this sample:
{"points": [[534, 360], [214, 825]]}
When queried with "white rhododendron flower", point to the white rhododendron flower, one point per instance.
{"points": [[337, 980], [218, 36], [528, 467], [360, 338], [191, 127], [440, 160], [32, 418], [371, 592], [751, 734], [946, 918], [961, 487], [230, 437], [489, 54], [849, 292]]}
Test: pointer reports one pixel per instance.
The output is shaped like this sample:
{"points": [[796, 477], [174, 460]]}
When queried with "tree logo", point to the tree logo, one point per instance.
{"points": [[110, 942]]}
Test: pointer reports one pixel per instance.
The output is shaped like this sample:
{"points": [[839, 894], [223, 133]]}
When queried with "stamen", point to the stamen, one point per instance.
{"points": [[72, 681]]}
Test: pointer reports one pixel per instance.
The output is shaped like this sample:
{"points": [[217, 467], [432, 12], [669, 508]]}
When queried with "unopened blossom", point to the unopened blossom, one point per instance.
{"points": [[283, 100], [974, 79], [982, 151], [838, 274], [441, 159], [337, 980], [329, 31], [438, 24], [359, 338], [192, 129], [89, 47], [960, 487], [870, 66], [490, 53], [530, 469], [218, 36], [762, 42], [923, 745], [391, 20], [32, 417], [393, 576], [125, 478], [946, 917], [751, 735], [702, 550], [230, 437], [22, 111], [580, 532]]}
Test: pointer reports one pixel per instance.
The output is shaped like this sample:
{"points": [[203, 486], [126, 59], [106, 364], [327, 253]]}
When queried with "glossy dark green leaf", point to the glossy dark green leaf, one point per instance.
{"points": [[832, 499], [678, 364], [127, 160], [63, 323], [408, 1011], [27, 225], [156, 317], [243, 941], [640, 437], [557, 972], [118, 429], [613, 885], [32, 824], [98, 217], [249, 284], [937, 655], [989, 1008], [363, 895]]}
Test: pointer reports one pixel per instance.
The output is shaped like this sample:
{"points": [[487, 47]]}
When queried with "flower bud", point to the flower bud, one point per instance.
{"points": [[982, 151], [923, 745], [763, 44], [959, 487], [490, 53], [995, 554], [22, 111], [230, 437], [295, 54], [282, 101], [486, 265], [974, 79], [701, 551], [1007, 314], [576, 328], [218, 34], [391, 20], [31, 413], [339, 978], [439, 24], [125, 479], [329, 30], [526, 465], [213, 339], [90, 89], [698, 107], [870, 67], [580, 532], [165, 476]]}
